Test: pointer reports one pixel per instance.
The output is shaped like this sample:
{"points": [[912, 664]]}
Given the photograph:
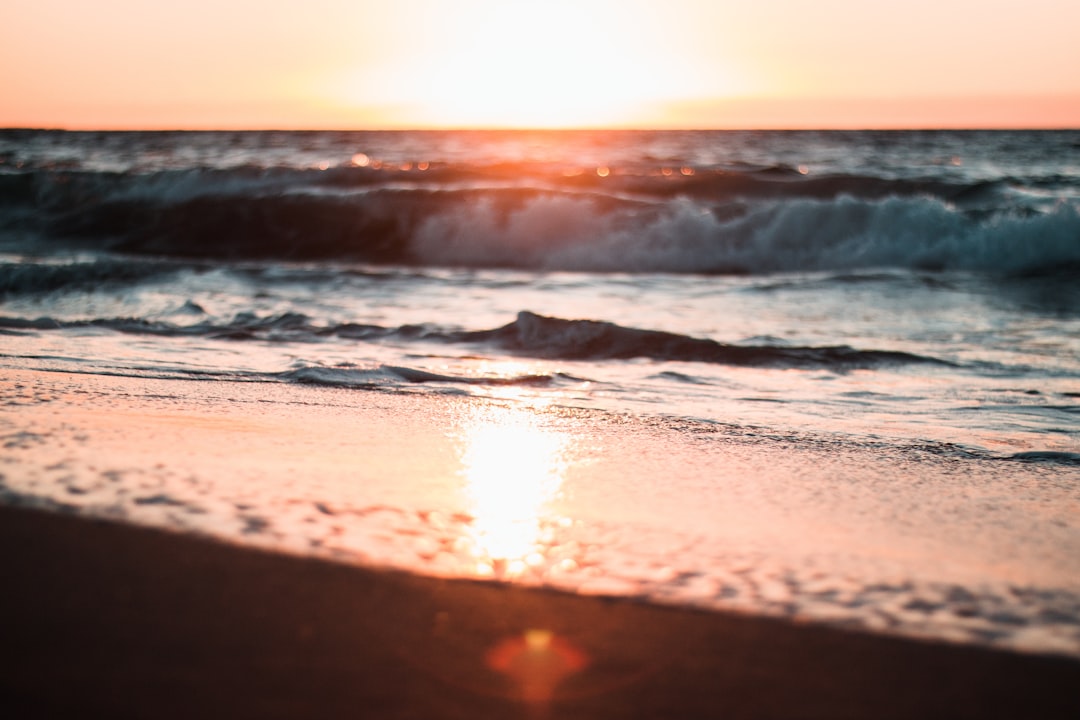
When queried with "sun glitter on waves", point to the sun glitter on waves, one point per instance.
{"points": [[513, 468]]}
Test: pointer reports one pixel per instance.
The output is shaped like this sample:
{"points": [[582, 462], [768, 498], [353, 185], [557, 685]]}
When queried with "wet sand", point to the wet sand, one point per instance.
{"points": [[263, 550], [110, 620]]}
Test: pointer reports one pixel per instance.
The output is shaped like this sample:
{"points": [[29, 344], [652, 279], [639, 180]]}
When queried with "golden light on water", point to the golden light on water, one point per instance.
{"points": [[513, 467]]}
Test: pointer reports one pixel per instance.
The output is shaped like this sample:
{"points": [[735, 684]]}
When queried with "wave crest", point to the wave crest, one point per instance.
{"points": [[718, 222], [529, 335], [557, 338]]}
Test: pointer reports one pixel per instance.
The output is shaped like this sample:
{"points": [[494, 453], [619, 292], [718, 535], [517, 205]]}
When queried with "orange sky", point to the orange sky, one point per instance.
{"points": [[639, 63]]}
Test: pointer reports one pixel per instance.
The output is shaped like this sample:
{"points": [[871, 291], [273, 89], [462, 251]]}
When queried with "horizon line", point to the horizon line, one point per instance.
{"points": [[541, 128]]}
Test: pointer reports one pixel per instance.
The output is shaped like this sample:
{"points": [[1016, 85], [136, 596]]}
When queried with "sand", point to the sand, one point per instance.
{"points": [[108, 620], [195, 549]]}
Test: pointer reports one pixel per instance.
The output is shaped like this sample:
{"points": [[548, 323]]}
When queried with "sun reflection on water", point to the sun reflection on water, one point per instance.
{"points": [[513, 468]]}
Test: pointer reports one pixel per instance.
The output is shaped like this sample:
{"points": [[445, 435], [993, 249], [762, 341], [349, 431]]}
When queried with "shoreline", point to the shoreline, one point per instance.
{"points": [[811, 529], [111, 620]]}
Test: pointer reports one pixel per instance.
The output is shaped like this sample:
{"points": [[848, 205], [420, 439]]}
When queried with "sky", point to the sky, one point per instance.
{"points": [[375, 64]]}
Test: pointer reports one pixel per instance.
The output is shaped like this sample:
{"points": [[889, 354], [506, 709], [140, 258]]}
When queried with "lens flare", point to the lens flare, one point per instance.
{"points": [[537, 661]]}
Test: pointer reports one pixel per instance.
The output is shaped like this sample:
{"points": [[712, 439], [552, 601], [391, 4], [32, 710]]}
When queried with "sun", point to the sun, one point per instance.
{"points": [[535, 64], [520, 63]]}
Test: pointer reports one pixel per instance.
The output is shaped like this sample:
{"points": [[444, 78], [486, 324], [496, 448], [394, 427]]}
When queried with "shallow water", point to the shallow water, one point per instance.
{"points": [[917, 539]]}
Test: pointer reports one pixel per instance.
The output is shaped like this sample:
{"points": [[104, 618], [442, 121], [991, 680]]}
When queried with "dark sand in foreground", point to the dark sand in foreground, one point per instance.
{"points": [[107, 620]]}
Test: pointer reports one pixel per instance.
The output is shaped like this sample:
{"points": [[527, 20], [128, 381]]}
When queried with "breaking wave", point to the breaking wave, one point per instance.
{"points": [[714, 221], [529, 335]]}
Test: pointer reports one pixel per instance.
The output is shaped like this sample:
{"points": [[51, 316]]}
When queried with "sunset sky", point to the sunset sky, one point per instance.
{"points": [[483, 63]]}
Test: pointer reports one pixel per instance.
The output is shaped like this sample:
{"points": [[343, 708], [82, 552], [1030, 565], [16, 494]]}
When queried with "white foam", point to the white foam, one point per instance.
{"points": [[567, 233]]}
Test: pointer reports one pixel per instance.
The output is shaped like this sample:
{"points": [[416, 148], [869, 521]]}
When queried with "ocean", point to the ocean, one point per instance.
{"points": [[833, 376]]}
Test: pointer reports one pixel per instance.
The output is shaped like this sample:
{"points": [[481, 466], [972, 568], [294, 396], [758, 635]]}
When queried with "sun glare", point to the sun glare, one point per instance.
{"points": [[533, 64], [513, 468]]}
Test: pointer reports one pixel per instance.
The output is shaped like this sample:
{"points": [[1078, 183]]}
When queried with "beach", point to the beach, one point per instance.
{"points": [[108, 620], [136, 604], [540, 424]]}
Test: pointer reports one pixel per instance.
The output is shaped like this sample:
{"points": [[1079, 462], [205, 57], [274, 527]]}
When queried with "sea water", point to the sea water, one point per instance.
{"points": [[879, 295]]}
